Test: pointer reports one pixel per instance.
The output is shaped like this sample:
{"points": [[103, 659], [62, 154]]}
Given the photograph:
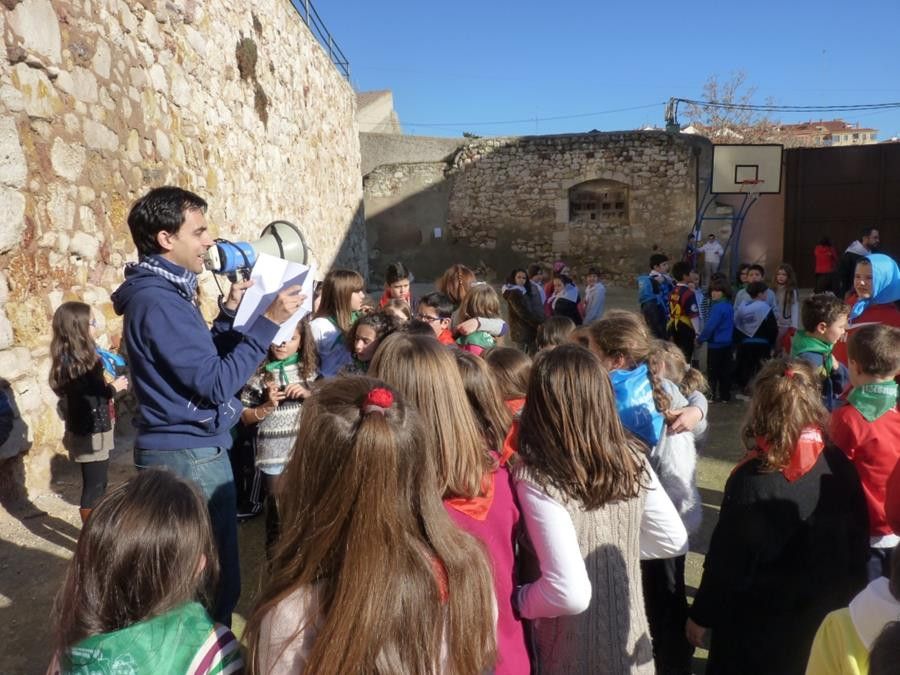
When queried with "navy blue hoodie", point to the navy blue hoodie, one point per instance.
{"points": [[185, 376]]}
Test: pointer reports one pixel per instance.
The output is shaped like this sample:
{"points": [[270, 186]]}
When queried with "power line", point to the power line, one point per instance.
{"points": [[790, 108], [532, 119]]}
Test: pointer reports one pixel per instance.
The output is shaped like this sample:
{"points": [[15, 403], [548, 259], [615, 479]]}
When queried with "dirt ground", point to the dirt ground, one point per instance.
{"points": [[38, 536]]}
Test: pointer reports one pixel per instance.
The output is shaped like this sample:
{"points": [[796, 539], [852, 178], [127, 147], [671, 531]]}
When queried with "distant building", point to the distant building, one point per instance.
{"points": [[825, 133], [375, 112]]}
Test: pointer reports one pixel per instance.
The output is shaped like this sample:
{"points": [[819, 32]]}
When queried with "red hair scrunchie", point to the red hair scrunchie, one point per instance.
{"points": [[378, 400]]}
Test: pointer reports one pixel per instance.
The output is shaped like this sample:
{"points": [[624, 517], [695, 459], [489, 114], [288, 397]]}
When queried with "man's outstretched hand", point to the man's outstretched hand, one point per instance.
{"points": [[285, 304]]}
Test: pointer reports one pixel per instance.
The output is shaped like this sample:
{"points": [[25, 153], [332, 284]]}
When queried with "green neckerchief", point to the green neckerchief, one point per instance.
{"points": [[804, 342], [354, 317], [164, 644], [479, 338], [875, 399], [272, 366]]}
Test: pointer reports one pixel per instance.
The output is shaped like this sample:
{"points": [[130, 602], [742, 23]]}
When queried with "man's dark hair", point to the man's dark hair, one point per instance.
{"points": [[438, 302], [160, 210], [680, 270], [867, 231], [758, 268], [658, 259], [876, 350], [720, 284], [821, 308], [755, 288], [534, 269]]}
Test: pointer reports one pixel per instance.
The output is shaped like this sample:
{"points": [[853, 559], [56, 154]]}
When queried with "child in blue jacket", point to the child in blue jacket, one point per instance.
{"points": [[718, 333]]}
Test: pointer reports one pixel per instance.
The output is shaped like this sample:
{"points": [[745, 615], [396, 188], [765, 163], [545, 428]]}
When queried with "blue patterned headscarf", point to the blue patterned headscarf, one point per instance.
{"points": [[885, 284]]}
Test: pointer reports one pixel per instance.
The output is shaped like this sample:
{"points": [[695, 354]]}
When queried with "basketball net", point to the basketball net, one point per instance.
{"points": [[751, 187]]}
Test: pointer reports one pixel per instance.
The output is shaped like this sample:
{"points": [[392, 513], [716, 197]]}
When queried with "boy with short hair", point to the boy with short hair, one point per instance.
{"points": [[755, 273], [718, 334], [436, 309], [594, 296], [684, 313], [824, 320], [868, 429], [653, 294], [756, 331]]}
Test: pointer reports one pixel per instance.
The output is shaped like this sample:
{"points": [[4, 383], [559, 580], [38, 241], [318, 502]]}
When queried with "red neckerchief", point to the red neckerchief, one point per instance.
{"points": [[386, 297], [510, 443], [806, 453], [446, 337], [515, 405], [440, 576]]}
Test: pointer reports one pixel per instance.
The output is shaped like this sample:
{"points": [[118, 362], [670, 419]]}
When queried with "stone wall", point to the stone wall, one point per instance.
{"points": [[378, 149], [101, 100], [505, 202]]}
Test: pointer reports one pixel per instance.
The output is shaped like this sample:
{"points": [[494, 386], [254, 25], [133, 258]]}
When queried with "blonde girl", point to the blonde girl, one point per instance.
{"points": [[473, 482], [138, 588], [343, 294], [481, 302], [370, 575], [791, 541], [86, 393]]}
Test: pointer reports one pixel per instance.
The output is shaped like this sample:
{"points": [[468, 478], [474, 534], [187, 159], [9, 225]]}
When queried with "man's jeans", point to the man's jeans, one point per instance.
{"points": [[210, 470]]}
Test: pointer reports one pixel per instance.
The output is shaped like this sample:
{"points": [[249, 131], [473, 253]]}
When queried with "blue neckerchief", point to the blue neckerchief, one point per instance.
{"points": [[634, 401], [110, 361], [184, 280], [885, 284]]}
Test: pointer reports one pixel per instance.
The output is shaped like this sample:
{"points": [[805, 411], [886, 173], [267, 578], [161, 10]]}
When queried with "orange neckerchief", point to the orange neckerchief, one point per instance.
{"points": [[386, 297], [510, 443], [806, 453], [476, 507]]}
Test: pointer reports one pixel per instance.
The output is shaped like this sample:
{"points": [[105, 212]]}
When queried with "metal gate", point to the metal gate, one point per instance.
{"points": [[835, 192]]}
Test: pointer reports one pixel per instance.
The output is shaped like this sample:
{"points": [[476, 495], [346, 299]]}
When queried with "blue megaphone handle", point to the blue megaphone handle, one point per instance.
{"points": [[234, 256]]}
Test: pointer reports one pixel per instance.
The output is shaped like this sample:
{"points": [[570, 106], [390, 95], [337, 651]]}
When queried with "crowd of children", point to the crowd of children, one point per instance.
{"points": [[442, 503]]}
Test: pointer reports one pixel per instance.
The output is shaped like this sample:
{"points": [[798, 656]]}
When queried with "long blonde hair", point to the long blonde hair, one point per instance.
{"points": [[363, 522], [669, 359], [425, 372]]}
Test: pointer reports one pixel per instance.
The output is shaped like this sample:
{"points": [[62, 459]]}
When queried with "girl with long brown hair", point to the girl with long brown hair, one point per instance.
{"points": [[86, 390], [482, 302], [791, 541], [455, 283], [787, 303], [139, 586], [652, 408], [474, 481], [340, 305], [370, 575], [592, 508]]}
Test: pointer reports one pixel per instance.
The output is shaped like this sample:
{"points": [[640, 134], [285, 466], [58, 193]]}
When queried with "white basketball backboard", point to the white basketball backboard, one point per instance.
{"points": [[746, 169]]}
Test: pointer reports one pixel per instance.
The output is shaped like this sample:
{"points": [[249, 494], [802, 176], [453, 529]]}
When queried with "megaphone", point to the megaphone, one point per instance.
{"points": [[279, 238]]}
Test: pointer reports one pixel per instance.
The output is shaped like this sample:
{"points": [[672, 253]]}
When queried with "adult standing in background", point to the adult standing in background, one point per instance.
{"points": [[712, 255], [826, 260], [186, 376], [866, 244]]}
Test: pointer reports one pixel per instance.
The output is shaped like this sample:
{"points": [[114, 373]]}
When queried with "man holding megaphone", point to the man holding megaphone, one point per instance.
{"points": [[185, 376]]}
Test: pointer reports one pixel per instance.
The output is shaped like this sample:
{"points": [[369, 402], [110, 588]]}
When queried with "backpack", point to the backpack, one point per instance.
{"points": [[650, 290]]}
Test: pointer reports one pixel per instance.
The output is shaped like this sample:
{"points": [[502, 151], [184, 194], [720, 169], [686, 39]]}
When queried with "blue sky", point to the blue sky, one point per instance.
{"points": [[464, 64]]}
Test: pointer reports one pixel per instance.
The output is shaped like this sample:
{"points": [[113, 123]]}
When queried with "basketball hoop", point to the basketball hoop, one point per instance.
{"points": [[751, 186]]}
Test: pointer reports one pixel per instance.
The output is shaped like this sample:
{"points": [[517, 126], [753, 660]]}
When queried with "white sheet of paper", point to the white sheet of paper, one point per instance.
{"points": [[270, 276]]}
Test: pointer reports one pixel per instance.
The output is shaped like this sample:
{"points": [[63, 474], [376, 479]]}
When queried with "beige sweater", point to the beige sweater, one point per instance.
{"points": [[612, 636]]}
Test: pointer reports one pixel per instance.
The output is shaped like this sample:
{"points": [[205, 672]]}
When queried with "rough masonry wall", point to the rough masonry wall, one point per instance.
{"points": [[501, 203], [517, 189], [379, 149], [101, 100]]}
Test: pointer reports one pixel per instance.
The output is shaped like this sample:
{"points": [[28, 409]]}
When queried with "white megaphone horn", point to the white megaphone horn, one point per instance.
{"points": [[279, 238]]}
